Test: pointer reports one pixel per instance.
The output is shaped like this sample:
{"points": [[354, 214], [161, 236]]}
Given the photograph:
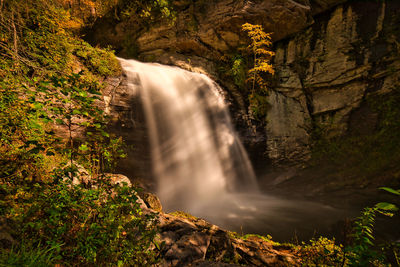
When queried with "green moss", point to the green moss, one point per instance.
{"points": [[267, 238], [101, 62], [184, 215]]}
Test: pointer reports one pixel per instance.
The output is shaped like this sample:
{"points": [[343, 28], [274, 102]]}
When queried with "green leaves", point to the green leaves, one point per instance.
{"points": [[386, 206], [83, 147], [390, 190], [93, 225]]}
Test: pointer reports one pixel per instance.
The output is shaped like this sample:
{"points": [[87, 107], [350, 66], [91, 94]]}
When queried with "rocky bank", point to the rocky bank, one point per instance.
{"points": [[184, 240]]}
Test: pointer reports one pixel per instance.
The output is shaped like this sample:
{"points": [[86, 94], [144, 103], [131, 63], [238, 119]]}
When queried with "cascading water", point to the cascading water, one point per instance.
{"points": [[199, 163], [196, 153]]}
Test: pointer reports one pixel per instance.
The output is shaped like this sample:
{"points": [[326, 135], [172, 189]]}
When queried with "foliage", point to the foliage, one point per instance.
{"points": [[74, 105], [88, 225], [238, 71], [322, 252], [392, 247], [50, 79], [28, 256], [37, 45], [363, 251], [262, 55], [142, 12], [391, 190], [36, 39]]}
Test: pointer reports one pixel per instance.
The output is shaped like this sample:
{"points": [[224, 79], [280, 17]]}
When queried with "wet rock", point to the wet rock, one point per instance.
{"points": [[122, 104], [192, 241]]}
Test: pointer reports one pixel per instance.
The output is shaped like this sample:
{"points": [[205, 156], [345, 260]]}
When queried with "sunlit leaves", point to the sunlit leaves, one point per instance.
{"points": [[391, 190], [259, 46]]}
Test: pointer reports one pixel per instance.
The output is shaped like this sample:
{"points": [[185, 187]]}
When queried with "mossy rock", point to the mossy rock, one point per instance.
{"points": [[184, 215], [152, 201]]}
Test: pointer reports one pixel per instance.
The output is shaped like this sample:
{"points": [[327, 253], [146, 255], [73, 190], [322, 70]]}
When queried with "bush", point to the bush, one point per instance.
{"points": [[100, 224], [322, 252]]}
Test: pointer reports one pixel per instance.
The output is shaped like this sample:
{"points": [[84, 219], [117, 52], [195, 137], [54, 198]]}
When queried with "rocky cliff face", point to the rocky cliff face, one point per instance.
{"points": [[325, 72], [122, 103], [330, 55]]}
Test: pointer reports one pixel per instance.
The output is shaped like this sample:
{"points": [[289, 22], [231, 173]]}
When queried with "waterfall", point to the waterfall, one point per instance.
{"points": [[200, 164], [196, 155]]}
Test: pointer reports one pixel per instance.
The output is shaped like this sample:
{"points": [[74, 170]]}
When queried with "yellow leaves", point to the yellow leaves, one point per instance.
{"points": [[259, 45], [257, 35], [262, 51], [263, 66]]}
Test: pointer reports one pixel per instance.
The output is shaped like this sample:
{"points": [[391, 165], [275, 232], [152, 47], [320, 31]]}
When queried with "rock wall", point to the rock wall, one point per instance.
{"points": [[326, 72], [123, 106], [330, 55]]}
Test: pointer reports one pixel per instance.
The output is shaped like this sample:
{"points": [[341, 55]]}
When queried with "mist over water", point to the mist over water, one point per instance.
{"points": [[200, 164]]}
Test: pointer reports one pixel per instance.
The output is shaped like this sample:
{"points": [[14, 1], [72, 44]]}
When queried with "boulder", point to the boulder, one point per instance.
{"points": [[152, 202], [191, 241]]}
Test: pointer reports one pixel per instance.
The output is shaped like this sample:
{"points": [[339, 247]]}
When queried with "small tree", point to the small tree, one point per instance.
{"points": [[262, 55]]}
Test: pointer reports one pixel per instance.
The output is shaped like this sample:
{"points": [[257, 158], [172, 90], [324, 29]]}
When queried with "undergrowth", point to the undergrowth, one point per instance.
{"points": [[50, 82]]}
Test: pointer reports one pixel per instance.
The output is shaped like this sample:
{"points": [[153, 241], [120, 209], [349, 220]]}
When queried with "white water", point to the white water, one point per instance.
{"points": [[196, 154]]}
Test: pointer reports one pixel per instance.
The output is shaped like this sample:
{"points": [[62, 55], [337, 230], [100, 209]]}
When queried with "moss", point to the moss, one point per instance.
{"points": [[98, 61], [184, 215], [267, 238]]}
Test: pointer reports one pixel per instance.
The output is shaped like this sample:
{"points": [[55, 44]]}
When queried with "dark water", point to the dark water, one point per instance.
{"points": [[283, 219]]}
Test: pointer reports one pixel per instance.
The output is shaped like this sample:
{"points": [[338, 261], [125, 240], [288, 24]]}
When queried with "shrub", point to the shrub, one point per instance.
{"points": [[100, 224]]}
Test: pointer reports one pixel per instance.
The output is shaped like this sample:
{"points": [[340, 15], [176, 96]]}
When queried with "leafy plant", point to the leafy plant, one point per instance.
{"points": [[89, 225], [393, 247], [142, 12], [322, 252], [363, 251], [238, 71]]}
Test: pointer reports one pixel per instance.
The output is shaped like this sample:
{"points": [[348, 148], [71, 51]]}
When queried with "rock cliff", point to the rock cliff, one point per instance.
{"points": [[330, 55], [325, 72]]}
